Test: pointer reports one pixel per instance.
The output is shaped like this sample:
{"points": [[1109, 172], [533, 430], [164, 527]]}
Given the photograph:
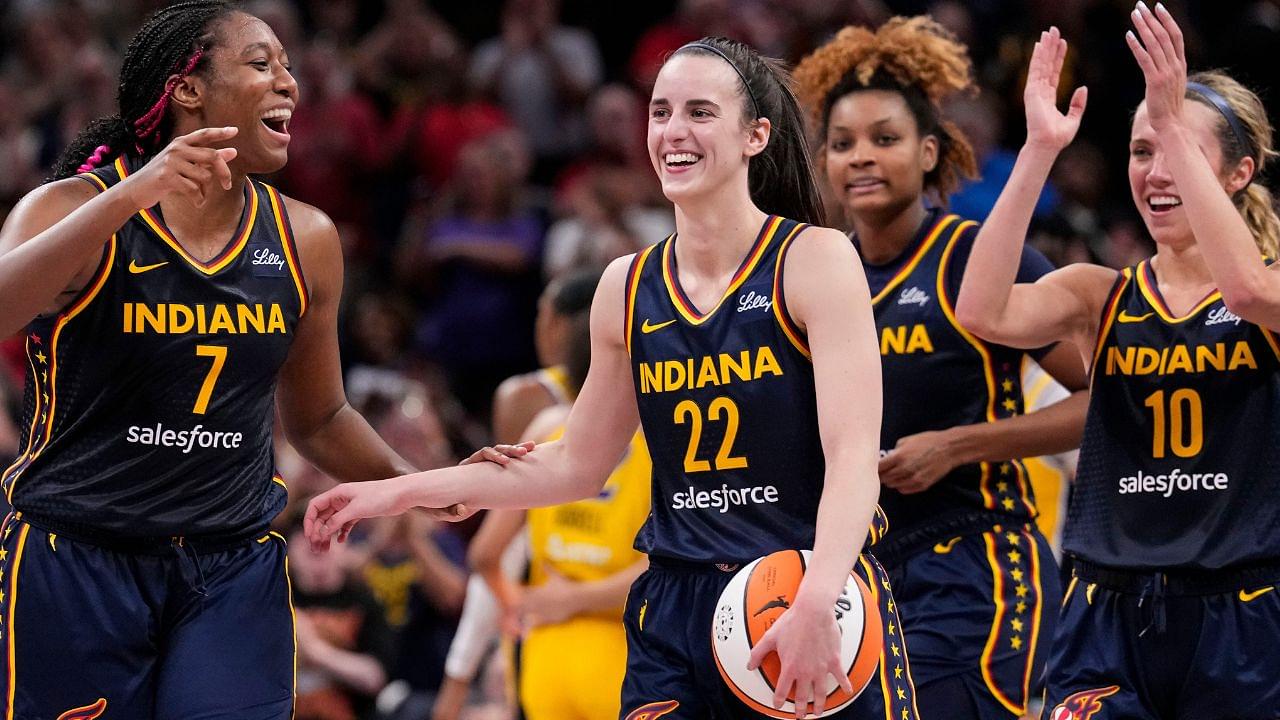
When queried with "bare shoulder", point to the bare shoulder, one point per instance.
{"points": [[609, 306], [310, 224], [319, 248], [43, 207]]}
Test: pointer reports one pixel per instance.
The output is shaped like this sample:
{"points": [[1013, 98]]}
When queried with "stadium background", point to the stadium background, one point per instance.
{"points": [[472, 151]]}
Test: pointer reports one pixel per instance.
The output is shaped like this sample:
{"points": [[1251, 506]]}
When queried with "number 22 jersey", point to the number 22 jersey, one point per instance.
{"points": [[728, 406], [148, 403]]}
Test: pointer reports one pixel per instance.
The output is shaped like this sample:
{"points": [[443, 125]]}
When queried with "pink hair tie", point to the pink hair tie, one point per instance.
{"points": [[150, 122], [95, 159]]}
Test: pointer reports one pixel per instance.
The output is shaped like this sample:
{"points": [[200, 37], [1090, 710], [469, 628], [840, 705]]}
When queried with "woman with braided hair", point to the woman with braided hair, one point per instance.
{"points": [[168, 298], [974, 578]]}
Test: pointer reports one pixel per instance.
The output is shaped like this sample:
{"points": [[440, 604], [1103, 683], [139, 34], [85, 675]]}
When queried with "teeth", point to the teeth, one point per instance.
{"points": [[1164, 201], [278, 114], [681, 158]]}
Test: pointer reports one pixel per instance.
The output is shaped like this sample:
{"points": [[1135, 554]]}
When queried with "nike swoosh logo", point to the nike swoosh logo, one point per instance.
{"points": [[137, 269], [1247, 596], [1127, 318], [647, 328], [944, 548]]}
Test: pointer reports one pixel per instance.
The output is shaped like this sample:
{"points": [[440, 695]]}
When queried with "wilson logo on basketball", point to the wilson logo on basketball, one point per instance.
{"points": [[653, 710], [88, 712], [1082, 705]]}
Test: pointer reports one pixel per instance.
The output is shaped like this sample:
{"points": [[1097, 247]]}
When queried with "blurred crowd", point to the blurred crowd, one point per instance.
{"points": [[471, 153]]}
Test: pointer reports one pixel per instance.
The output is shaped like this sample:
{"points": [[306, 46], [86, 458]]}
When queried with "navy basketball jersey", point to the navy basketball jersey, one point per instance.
{"points": [[149, 398], [727, 402], [937, 375], [1179, 464]]}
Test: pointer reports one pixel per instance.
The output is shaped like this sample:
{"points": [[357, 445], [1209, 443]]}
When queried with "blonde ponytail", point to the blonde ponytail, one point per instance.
{"points": [[1259, 210]]}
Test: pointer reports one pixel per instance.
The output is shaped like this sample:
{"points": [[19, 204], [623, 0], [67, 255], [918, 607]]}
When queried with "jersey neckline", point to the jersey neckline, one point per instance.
{"points": [[1150, 288], [671, 277], [239, 239]]}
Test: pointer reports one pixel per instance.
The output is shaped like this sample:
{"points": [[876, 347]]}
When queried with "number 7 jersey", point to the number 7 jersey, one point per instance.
{"points": [[1180, 461], [727, 403], [149, 398]]}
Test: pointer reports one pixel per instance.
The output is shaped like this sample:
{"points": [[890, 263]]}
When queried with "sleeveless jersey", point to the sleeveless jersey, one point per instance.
{"points": [[555, 380], [1179, 464], [727, 403], [592, 539], [937, 375], [149, 398]]}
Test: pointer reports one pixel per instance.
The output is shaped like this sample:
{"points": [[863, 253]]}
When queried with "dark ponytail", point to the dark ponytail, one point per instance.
{"points": [[173, 41], [780, 177]]}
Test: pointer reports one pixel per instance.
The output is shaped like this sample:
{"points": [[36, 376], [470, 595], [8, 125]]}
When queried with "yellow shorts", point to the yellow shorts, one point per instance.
{"points": [[573, 671]]}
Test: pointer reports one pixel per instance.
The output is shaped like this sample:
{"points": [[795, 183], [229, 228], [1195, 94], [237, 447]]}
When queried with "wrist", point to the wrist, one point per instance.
{"points": [[960, 444], [1039, 154]]}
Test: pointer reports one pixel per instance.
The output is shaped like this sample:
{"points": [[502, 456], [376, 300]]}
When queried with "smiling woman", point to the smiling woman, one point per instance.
{"points": [[172, 304]]}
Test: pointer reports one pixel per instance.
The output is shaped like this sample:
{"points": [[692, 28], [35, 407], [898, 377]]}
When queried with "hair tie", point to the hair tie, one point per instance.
{"points": [[1224, 108], [99, 154], [741, 76], [150, 122]]}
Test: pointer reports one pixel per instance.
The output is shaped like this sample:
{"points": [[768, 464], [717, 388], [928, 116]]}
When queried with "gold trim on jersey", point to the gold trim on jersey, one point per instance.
{"points": [[46, 390], [789, 327], [1147, 284], [885, 693], [633, 285], [228, 254], [9, 624], [1033, 548], [1271, 340], [293, 615], [1108, 319], [102, 186], [906, 270], [682, 304], [290, 248], [988, 374]]}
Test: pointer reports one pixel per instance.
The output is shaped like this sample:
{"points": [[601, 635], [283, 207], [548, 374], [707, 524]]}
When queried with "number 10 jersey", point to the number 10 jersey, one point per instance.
{"points": [[148, 404]]}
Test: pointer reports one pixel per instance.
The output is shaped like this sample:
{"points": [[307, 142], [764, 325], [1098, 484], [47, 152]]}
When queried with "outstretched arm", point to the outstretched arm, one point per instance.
{"points": [[1058, 306], [1249, 288], [601, 424]]}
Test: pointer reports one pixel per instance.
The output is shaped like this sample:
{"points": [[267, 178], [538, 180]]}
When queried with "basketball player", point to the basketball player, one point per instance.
{"points": [[768, 442], [1172, 527], [974, 577], [168, 297]]}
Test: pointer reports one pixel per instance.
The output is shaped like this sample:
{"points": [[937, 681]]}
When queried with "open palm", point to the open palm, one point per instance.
{"points": [[1046, 125]]}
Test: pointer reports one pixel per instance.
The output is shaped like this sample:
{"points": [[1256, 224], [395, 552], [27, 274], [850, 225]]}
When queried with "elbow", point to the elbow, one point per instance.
{"points": [[971, 318], [1250, 299]]}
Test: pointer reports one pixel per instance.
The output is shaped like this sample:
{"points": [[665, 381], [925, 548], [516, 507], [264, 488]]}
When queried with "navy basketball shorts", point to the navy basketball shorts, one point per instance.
{"points": [[176, 632], [1152, 646], [671, 669], [979, 612]]}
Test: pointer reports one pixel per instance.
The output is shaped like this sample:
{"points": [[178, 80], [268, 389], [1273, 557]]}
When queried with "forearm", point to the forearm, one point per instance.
{"points": [[610, 593], [1049, 431], [845, 513], [346, 448], [546, 476], [34, 273], [1221, 233], [358, 671], [997, 250]]}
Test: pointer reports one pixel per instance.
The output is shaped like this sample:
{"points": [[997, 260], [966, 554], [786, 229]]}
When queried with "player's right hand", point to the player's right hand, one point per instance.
{"points": [[1047, 127], [188, 165]]}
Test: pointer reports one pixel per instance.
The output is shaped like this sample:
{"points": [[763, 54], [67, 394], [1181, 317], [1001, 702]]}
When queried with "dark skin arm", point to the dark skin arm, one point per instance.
{"points": [[918, 461], [313, 406]]}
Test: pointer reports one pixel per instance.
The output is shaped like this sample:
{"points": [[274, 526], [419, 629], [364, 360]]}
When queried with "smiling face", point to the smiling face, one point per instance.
{"points": [[875, 158], [248, 85], [697, 139], [1154, 192]]}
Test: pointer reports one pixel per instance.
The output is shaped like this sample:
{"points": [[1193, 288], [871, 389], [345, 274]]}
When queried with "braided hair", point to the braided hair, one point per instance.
{"points": [[174, 42], [914, 57]]}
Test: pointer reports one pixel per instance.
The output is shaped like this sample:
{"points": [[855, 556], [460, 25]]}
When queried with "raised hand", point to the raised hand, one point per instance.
{"points": [[188, 165], [1163, 58], [1047, 127]]}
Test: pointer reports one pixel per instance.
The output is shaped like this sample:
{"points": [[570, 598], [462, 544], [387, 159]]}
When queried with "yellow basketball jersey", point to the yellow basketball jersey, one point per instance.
{"points": [[556, 381], [592, 539]]}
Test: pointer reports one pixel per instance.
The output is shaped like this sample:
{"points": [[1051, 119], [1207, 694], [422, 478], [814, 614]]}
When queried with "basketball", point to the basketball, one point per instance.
{"points": [[754, 600]]}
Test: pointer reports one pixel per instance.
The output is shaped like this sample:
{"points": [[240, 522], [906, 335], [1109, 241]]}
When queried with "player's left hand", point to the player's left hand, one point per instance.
{"points": [[807, 641], [1162, 56], [918, 461], [550, 603], [500, 454]]}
